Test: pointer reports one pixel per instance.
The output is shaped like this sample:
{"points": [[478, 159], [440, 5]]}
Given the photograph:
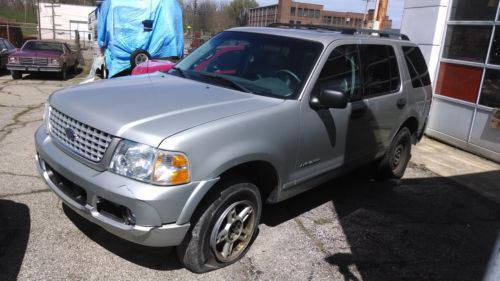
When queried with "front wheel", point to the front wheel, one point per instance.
{"points": [[395, 160], [16, 74], [63, 74], [224, 230]]}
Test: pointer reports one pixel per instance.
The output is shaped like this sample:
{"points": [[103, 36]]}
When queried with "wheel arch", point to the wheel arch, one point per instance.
{"points": [[262, 173]]}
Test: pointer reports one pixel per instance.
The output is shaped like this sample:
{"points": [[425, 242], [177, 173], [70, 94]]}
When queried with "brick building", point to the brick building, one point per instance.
{"points": [[288, 11]]}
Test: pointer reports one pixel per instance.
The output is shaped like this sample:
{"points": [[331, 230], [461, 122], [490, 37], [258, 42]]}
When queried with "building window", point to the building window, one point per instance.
{"points": [[459, 81], [469, 43], [495, 48], [482, 10], [299, 12], [292, 11], [490, 92], [317, 14], [311, 13]]}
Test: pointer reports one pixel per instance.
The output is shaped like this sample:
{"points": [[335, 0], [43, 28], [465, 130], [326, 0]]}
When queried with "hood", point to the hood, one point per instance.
{"points": [[39, 54], [150, 108]]}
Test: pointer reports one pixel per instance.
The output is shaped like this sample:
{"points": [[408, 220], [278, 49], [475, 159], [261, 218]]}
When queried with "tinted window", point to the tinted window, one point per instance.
{"points": [[380, 69], [417, 67], [483, 10], [2, 45], [469, 43], [341, 71]]}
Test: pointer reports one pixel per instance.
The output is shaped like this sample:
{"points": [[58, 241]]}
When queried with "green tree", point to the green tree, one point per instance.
{"points": [[236, 10]]}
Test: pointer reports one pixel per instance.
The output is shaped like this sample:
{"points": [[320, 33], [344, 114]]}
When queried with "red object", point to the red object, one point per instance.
{"points": [[151, 66], [459, 81]]}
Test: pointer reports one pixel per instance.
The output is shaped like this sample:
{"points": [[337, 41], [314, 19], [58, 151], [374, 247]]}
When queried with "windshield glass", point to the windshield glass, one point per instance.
{"points": [[259, 63], [43, 46]]}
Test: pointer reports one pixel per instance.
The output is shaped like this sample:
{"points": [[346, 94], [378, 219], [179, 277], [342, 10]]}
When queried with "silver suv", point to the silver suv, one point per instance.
{"points": [[255, 115]]}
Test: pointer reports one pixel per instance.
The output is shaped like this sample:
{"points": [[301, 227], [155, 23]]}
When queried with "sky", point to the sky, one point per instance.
{"points": [[395, 7]]}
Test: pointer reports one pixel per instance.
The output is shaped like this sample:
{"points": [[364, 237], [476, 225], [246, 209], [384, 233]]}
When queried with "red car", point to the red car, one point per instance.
{"points": [[42, 56], [220, 62]]}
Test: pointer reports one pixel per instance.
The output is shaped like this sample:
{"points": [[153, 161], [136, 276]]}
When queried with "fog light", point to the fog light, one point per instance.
{"points": [[129, 217]]}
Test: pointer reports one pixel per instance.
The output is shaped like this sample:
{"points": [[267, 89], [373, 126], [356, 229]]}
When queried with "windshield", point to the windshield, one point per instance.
{"points": [[43, 46], [258, 63]]}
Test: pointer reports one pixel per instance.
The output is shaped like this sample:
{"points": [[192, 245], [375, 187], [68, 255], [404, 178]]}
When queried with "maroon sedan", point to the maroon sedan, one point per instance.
{"points": [[42, 56]]}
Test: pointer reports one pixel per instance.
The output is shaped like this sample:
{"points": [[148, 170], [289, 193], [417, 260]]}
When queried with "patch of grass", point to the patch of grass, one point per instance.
{"points": [[18, 15]]}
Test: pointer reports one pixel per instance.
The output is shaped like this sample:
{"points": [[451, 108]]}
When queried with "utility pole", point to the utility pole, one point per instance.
{"points": [[380, 13], [366, 12]]}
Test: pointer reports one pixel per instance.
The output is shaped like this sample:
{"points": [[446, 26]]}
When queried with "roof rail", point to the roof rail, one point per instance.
{"points": [[342, 30]]}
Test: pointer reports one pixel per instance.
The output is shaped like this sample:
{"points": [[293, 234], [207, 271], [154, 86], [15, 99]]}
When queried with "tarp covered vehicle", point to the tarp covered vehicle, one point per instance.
{"points": [[135, 31]]}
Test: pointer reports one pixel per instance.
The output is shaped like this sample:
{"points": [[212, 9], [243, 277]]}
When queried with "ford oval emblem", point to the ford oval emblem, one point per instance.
{"points": [[70, 133]]}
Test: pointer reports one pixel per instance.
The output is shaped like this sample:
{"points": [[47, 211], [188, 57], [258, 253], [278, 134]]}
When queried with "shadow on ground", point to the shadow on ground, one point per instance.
{"points": [[14, 234], [412, 229], [154, 258], [50, 76]]}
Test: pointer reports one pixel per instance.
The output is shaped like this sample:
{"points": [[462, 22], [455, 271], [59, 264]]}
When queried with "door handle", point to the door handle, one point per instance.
{"points": [[401, 103]]}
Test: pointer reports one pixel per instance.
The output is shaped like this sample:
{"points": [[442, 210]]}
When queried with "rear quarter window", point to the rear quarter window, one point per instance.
{"points": [[417, 67]]}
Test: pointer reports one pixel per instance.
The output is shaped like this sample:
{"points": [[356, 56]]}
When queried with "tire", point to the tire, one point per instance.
{"points": [[139, 56], [63, 75], [208, 245], [16, 74], [395, 161]]}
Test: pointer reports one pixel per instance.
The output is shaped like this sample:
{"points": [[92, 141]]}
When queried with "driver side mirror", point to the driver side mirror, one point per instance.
{"points": [[329, 99]]}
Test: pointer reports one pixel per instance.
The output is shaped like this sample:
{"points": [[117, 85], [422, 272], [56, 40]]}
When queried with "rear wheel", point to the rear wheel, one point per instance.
{"points": [[224, 230], [394, 162], [16, 74]]}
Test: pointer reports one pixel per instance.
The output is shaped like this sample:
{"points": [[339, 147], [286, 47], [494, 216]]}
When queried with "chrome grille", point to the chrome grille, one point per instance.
{"points": [[87, 141], [33, 61]]}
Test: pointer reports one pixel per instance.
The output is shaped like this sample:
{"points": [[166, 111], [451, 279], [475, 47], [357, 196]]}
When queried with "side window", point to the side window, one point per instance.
{"points": [[2, 45], [341, 71], [380, 70], [417, 67]]}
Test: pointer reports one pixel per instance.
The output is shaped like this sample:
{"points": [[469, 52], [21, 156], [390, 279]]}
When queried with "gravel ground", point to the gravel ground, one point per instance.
{"points": [[423, 227]]}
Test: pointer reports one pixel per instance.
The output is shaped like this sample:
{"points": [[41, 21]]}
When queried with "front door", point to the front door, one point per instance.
{"points": [[331, 138]]}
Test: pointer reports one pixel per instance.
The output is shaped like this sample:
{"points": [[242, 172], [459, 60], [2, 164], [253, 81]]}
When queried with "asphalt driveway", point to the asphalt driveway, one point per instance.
{"points": [[424, 227]]}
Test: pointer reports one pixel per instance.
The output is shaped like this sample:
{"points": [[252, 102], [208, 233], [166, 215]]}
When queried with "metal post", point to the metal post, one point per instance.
{"points": [[53, 21], [39, 23]]}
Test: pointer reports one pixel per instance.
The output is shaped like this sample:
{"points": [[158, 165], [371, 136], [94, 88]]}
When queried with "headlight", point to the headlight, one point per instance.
{"points": [[54, 61], [13, 59], [151, 165], [45, 120]]}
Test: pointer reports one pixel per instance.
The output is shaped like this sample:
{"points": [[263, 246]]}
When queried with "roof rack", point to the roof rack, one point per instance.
{"points": [[342, 30]]}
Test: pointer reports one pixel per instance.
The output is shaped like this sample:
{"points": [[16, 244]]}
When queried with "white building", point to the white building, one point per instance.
{"points": [[460, 40], [59, 21]]}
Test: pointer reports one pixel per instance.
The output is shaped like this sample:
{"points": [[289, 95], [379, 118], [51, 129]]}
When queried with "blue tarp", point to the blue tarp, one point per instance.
{"points": [[120, 30]]}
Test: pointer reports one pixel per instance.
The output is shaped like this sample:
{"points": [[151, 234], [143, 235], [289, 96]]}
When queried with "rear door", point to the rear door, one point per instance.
{"points": [[382, 92]]}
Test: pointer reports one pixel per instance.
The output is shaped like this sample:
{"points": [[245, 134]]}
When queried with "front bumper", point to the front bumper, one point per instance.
{"points": [[156, 209], [34, 68]]}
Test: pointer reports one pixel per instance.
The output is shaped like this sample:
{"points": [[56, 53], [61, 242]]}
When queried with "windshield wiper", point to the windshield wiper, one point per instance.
{"points": [[226, 81]]}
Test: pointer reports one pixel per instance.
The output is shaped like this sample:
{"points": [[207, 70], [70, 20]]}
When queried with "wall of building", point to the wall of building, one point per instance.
{"points": [[461, 43], [65, 19]]}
